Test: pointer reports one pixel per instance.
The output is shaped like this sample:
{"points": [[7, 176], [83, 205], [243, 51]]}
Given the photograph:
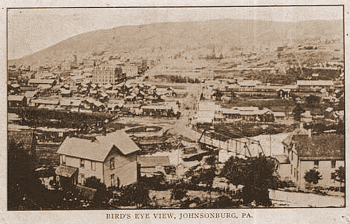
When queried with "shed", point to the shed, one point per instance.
{"points": [[152, 164]]}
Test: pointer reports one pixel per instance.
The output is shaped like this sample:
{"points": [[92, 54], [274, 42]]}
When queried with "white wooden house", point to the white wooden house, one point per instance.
{"points": [[110, 158]]}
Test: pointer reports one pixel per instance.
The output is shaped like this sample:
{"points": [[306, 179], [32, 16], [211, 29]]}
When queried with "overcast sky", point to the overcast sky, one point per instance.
{"points": [[31, 30]]}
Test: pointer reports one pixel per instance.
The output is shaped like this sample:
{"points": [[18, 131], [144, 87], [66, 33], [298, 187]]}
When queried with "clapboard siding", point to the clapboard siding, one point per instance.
{"points": [[125, 168]]}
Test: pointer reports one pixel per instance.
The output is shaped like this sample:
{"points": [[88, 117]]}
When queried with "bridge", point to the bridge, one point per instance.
{"points": [[245, 146]]}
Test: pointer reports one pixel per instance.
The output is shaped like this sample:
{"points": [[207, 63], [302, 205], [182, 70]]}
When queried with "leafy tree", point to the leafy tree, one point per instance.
{"points": [[312, 176], [298, 110], [179, 191], [135, 194], [25, 190], [234, 170], [210, 160], [101, 193], [313, 100], [259, 177], [94, 182], [206, 177], [340, 175], [257, 174]]}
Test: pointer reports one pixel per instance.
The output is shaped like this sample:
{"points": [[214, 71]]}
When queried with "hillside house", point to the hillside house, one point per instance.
{"points": [[70, 104], [248, 114], [306, 117], [37, 82], [324, 152], [284, 166], [16, 101], [30, 95], [248, 83], [111, 158], [279, 115], [304, 84], [150, 165], [74, 80], [42, 102], [65, 92]]}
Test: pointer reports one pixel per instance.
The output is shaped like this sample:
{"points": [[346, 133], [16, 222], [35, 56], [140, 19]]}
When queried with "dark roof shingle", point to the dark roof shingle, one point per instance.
{"points": [[324, 146]]}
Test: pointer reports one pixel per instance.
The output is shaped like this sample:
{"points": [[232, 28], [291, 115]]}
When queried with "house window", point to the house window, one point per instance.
{"points": [[82, 163], [316, 163], [111, 163], [333, 177], [333, 162], [112, 180], [93, 165], [82, 179], [63, 159], [291, 155], [284, 149], [291, 169]]}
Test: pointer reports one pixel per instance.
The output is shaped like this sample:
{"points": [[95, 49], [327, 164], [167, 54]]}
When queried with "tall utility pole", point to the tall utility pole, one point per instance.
{"points": [[270, 147]]}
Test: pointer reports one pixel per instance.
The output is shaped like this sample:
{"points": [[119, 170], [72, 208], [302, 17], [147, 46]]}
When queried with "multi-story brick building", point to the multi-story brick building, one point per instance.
{"points": [[130, 71], [104, 74]]}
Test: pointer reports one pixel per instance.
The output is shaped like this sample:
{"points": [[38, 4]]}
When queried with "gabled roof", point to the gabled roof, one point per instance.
{"points": [[99, 149], [121, 140], [279, 114], [152, 161], [255, 112], [248, 82], [69, 102], [315, 82], [41, 81], [306, 114], [16, 85], [15, 98], [282, 159], [299, 131], [245, 108], [41, 101], [86, 149], [65, 171], [44, 86], [30, 94]]}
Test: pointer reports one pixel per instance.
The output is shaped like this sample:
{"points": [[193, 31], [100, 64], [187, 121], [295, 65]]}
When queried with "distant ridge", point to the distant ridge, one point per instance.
{"points": [[178, 36]]}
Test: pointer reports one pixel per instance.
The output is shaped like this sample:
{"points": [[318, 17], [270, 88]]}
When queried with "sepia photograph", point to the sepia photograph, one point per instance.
{"points": [[184, 108]]}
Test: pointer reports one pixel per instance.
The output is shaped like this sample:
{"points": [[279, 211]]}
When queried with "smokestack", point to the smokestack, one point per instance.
{"points": [[309, 132], [301, 125]]}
